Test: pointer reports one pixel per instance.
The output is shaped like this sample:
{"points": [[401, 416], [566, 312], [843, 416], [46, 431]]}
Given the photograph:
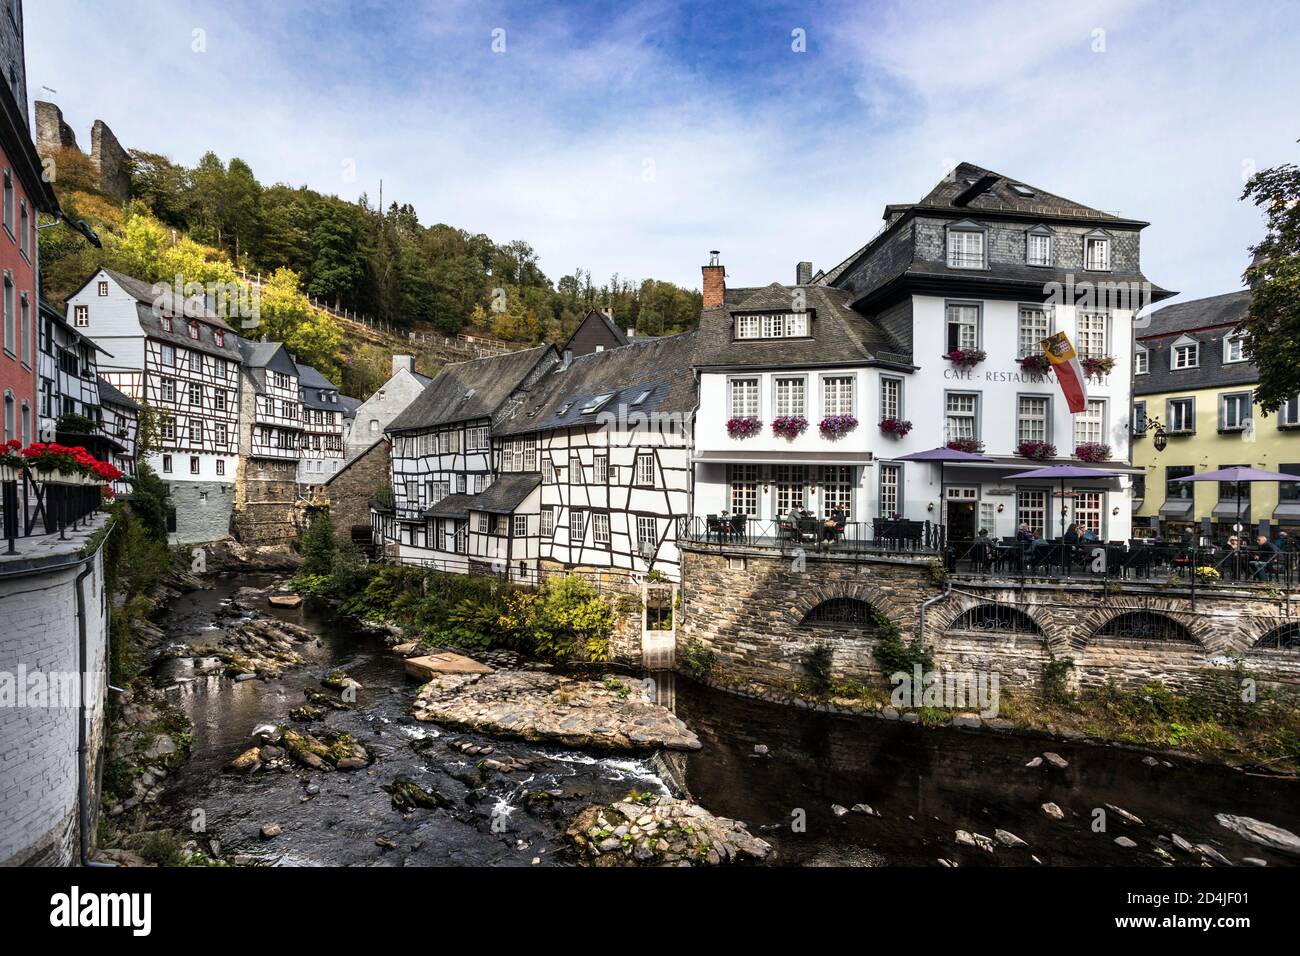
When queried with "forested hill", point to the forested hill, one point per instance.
{"points": [[381, 263]]}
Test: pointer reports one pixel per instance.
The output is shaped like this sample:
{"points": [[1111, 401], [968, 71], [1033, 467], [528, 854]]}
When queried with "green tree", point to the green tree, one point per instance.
{"points": [[318, 547], [1272, 326]]}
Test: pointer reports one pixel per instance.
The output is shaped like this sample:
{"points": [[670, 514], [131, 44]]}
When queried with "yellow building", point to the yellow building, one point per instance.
{"points": [[1193, 387]]}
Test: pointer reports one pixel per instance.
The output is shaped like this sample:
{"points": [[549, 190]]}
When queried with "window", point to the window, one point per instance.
{"points": [[1090, 424], [81, 316], [196, 393], [9, 202], [576, 520], [575, 469], [219, 400], [168, 355], [194, 464], [1088, 508], [1096, 253], [1181, 415], [166, 428], [221, 466], [194, 331], [837, 395], [484, 523], [11, 336], [1185, 355], [1141, 360], [521, 526], [195, 431], [1031, 418], [742, 489], [1234, 412], [1091, 329], [476, 438], [1234, 349], [965, 249], [962, 418], [1234, 490], [1176, 490], [1138, 421], [597, 403], [645, 470], [837, 490], [218, 337], [891, 479], [219, 433], [600, 528], [167, 389], [782, 325], [25, 330], [891, 397], [23, 230], [1289, 490], [748, 327], [548, 471], [791, 488], [167, 464], [548, 522], [462, 484], [103, 288], [790, 396], [600, 469], [1288, 416], [1034, 326], [963, 327], [1038, 248], [743, 397], [647, 534], [530, 454], [166, 322], [1031, 508], [502, 525]]}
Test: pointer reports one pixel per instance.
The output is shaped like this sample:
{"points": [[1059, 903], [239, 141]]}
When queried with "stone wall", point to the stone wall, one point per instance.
{"points": [[203, 511], [109, 160], [749, 607], [40, 643], [266, 508], [349, 492]]}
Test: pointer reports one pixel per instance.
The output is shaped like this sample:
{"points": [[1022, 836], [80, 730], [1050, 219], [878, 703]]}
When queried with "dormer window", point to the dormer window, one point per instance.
{"points": [[194, 330], [1096, 252], [1020, 189], [597, 403], [1184, 353], [965, 246], [1038, 246], [781, 325], [1234, 349], [1141, 360], [219, 337], [166, 323]]}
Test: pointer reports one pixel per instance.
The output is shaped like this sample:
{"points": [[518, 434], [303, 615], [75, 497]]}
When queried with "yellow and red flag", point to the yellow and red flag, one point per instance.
{"points": [[1065, 363]]}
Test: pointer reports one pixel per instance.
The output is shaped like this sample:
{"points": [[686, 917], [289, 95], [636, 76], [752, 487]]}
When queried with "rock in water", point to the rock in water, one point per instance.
{"points": [[1056, 760], [1257, 831], [838, 810], [1007, 838], [1053, 811], [966, 838], [407, 795], [1036, 762], [1210, 853], [864, 809], [643, 830], [250, 761], [1125, 815], [269, 831], [1125, 842]]}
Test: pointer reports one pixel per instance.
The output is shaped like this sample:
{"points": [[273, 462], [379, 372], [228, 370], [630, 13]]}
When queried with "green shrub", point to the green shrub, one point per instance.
{"points": [[893, 654], [697, 661], [1056, 679], [818, 663], [318, 547], [565, 619]]}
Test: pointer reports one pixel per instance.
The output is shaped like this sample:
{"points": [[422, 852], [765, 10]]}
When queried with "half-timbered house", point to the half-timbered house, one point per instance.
{"points": [[607, 436], [270, 439], [442, 452], [321, 454], [180, 358], [120, 420]]}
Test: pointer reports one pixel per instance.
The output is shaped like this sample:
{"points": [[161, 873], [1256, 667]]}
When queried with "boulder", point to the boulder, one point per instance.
{"points": [[1056, 760], [1053, 811], [428, 666], [270, 831], [1257, 831]]}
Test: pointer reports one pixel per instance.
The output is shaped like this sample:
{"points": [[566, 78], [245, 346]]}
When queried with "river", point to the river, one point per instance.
{"points": [[924, 783]]}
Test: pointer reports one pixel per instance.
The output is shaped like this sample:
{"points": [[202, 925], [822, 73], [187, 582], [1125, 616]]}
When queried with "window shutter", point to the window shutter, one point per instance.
{"points": [[1223, 412]]}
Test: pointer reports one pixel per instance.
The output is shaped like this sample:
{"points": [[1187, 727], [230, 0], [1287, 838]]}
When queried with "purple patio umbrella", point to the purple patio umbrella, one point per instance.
{"points": [[1240, 475], [1060, 473], [942, 455]]}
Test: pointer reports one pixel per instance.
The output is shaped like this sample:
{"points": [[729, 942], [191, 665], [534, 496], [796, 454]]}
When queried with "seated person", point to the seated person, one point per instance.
{"points": [[1024, 534], [1264, 556], [1071, 535], [1090, 537]]}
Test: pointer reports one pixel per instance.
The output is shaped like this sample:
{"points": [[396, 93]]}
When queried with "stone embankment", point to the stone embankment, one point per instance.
{"points": [[607, 715], [645, 830]]}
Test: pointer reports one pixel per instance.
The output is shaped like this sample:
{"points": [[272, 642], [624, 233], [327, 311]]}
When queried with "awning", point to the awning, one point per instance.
{"points": [[778, 457], [1021, 464], [1228, 509], [1287, 513], [1177, 508]]}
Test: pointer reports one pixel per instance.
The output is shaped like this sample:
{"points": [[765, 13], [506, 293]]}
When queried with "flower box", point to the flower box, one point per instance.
{"points": [[1097, 367], [895, 426], [789, 426], [743, 427], [1036, 450], [1036, 364], [837, 426], [972, 445], [1092, 451], [966, 358], [8, 473]]}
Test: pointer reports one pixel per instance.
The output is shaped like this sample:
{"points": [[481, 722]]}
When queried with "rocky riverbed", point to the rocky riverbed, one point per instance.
{"points": [[649, 830]]}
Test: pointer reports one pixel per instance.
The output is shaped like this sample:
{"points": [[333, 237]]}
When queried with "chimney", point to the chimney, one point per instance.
{"points": [[803, 273], [403, 362], [631, 331], [715, 282], [608, 312]]}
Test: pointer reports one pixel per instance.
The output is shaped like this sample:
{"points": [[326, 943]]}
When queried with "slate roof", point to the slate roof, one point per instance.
{"points": [[151, 321], [310, 377], [311, 383], [143, 293], [257, 357], [465, 391], [349, 406], [452, 506], [620, 337], [838, 335], [661, 366], [110, 394], [506, 493], [1207, 321]]}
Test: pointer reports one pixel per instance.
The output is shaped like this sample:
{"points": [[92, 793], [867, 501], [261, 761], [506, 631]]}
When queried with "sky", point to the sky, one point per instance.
{"points": [[632, 138]]}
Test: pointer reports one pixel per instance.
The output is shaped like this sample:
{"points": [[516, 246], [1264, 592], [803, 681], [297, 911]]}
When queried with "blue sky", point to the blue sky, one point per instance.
{"points": [[632, 138]]}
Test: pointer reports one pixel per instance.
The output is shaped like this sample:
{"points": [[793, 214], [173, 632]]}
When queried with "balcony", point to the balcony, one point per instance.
{"points": [[882, 536], [31, 507]]}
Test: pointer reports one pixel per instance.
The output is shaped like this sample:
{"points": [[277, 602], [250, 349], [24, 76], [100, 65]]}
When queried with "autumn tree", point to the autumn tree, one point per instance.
{"points": [[1273, 324]]}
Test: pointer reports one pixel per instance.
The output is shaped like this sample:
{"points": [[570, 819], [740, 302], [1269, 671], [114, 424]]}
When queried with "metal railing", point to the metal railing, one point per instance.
{"points": [[31, 506], [611, 581], [811, 535], [1134, 560]]}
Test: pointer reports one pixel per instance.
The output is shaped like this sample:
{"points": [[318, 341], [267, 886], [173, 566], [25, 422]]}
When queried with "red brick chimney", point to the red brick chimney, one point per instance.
{"points": [[715, 282]]}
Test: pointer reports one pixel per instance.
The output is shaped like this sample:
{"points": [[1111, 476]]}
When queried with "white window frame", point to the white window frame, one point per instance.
{"points": [[577, 525], [1229, 341], [600, 527], [742, 490], [965, 248], [520, 526], [838, 394], [1044, 241], [1033, 324], [647, 531], [1090, 424], [1244, 406], [645, 469], [744, 395], [955, 410], [1092, 333], [1098, 263], [600, 468], [891, 397], [891, 489], [1039, 424], [790, 395], [1141, 360], [967, 316], [548, 522], [1185, 356]]}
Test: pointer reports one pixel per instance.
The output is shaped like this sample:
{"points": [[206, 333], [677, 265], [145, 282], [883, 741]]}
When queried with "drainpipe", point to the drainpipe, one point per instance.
{"points": [[947, 589]]}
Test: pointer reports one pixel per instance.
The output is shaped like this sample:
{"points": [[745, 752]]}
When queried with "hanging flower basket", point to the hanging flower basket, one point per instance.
{"points": [[837, 426], [62, 465], [1036, 450], [743, 427], [895, 426], [972, 445], [1097, 367], [11, 460], [1036, 364], [789, 426], [965, 358], [1092, 451]]}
